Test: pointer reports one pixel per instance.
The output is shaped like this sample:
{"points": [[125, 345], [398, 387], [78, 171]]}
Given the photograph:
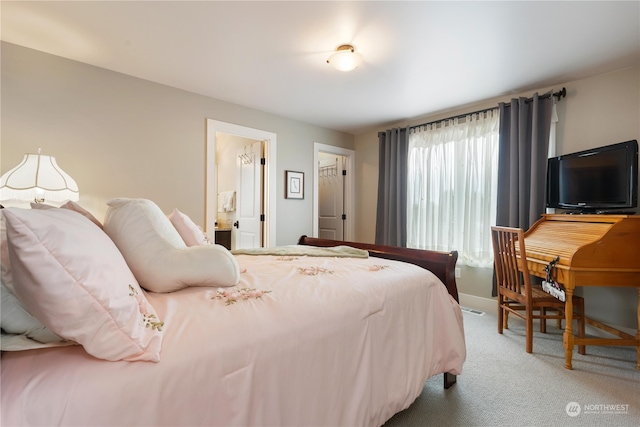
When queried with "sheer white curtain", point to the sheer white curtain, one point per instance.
{"points": [[452, 187]]}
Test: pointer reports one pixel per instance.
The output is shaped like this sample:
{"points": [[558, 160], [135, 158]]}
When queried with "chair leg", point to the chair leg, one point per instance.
{"points": [[505, 321], [500, 314], [529, 322], [543, 320], [581, 324]]}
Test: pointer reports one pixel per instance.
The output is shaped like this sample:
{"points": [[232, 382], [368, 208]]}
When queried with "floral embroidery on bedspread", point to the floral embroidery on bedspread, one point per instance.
{"points": [[148, 320], [313, 271], [231, 296]]}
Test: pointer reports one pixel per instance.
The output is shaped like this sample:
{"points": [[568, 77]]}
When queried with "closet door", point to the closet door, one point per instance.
{"points": [[331, 199]]}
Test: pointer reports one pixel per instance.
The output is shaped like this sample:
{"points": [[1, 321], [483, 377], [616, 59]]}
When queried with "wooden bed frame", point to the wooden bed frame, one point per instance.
{"points": [[442, 264]]}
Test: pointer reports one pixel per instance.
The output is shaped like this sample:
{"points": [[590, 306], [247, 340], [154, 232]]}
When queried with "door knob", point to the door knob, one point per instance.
{"points": [[236, 224]]}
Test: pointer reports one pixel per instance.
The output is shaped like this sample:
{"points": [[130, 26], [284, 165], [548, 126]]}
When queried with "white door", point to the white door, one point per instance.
{"points": [[216, 129], [248, 227], [331, 197], [348, 159]]}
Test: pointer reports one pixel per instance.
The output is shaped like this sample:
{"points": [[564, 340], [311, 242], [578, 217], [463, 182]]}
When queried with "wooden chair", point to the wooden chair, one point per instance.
{"points": [[517, 295]]}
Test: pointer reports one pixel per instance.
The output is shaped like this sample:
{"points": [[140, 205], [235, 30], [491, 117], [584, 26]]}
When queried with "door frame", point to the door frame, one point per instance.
{"points": [[349, 188], [268, 186]]}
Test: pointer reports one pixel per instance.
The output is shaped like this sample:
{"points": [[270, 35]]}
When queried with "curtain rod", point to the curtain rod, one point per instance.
{"points": [[559, 94]]}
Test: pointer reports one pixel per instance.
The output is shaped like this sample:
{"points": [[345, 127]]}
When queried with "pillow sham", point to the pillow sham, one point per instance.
{"points": [[191, 234], [157, 255], [15, 319], [41, 206], [71, 277], [5, 264], [71, 205]]}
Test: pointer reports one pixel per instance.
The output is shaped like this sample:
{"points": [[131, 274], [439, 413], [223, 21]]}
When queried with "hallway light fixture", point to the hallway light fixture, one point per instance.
{"points": [[345, 58], [38, 178]]}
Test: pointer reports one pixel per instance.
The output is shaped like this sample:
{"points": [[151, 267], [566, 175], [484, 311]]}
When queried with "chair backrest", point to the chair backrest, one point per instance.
{"points": [[509, 256]]}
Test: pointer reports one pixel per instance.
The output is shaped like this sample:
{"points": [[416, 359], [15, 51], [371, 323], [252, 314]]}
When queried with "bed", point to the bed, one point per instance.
{"points": [[318, 333]]}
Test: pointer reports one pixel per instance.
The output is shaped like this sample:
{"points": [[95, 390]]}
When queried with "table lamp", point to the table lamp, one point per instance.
{"points": [[36, 179]]}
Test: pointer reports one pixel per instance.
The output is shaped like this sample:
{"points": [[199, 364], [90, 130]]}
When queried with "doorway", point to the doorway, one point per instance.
{"points": [[217, 133], [333, 210]]}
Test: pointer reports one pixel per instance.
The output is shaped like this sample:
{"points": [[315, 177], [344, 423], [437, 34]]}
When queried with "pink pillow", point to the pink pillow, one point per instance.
{"points": [[71, 205], [188, 230], [42, 206], [5, 264], [72, 278]]}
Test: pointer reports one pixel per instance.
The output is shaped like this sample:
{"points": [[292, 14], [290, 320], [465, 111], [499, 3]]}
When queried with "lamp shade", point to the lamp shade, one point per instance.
{"points": [[38, 178], [345, 58]]}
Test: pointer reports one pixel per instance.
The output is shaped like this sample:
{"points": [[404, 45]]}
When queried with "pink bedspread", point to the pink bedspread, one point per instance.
{"points": [[335, 341]]}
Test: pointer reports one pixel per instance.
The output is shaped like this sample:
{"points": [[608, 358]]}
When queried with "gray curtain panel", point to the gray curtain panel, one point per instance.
{"points": [[522, 161], [391, 220]]}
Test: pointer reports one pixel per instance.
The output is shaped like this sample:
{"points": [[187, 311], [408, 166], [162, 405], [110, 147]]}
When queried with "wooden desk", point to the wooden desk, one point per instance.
{"points": [[594, 250]]}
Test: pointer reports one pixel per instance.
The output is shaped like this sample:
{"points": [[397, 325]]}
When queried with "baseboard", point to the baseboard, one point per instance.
{"points": [[490, 305], [487, 305]]}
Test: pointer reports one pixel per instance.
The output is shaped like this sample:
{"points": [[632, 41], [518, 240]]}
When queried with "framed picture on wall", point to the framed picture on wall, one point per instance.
{"points": [[294, 185]]}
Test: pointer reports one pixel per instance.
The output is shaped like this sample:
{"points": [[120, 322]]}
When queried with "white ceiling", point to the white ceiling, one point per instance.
{"points": [[420, 57]]}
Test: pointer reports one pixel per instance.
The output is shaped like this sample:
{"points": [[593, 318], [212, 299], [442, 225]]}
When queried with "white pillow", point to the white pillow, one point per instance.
{"points": [[156, 253], [15, 319], [191, 234], [71, 276]]}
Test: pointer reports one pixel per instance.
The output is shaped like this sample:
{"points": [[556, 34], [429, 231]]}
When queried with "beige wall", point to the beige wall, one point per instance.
{"points": [[597, 111], [120, 136]]}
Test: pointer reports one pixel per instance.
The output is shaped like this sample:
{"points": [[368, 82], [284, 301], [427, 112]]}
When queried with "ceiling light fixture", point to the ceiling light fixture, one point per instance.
{"points": [[345, 58]]}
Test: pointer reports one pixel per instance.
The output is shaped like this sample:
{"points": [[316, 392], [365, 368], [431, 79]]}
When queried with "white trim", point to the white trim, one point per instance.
{"points": [[488, 305], [270, 139], [349, 207]]}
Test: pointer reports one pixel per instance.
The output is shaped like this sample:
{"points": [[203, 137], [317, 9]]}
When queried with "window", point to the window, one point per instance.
{"points": [[452, 187]]}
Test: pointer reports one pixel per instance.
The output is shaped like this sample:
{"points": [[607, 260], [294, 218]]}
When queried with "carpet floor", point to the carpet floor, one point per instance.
{"points": [[502, 385]]}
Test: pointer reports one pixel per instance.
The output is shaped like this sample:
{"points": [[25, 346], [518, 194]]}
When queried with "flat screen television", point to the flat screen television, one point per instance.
{"points": [[599, 180]]}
